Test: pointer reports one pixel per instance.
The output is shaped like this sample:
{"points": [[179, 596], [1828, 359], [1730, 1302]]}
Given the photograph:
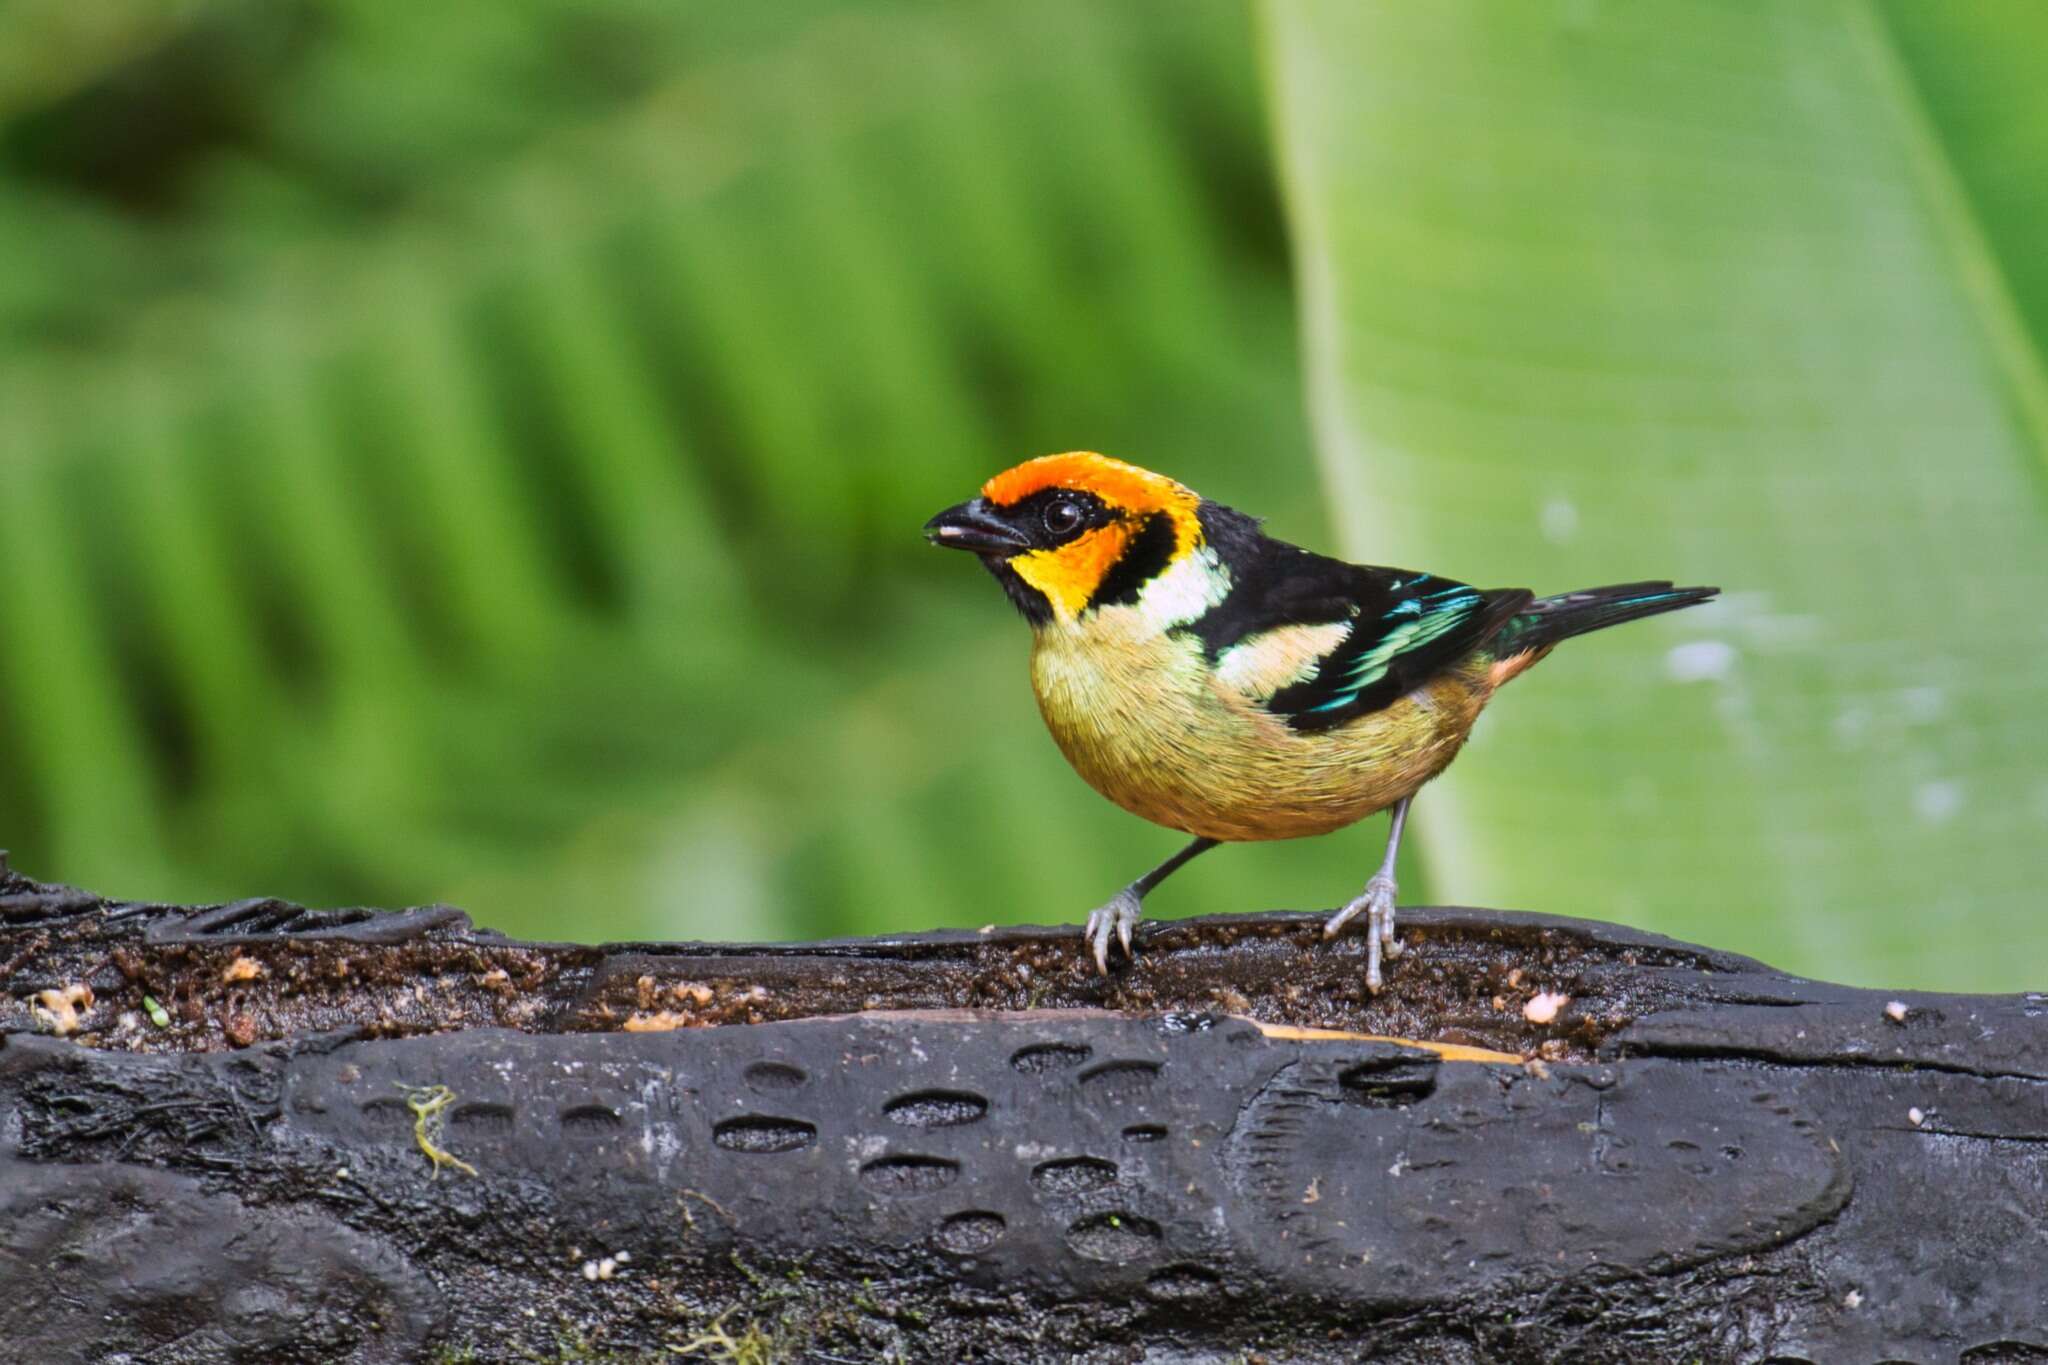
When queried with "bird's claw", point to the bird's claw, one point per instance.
{"points": [[1118, 917], [1376, 903]]}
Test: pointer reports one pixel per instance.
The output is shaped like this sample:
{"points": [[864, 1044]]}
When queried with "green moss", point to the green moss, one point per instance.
{"points": [[754, 1345], [428, 1104]]}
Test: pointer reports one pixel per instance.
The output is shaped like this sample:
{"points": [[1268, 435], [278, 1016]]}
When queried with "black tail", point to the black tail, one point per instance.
{"points": [[1550, 619]]}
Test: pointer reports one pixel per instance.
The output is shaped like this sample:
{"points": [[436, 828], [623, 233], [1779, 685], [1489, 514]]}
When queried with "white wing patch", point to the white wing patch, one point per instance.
{"points": [[1185, 591], [1260, 665]]}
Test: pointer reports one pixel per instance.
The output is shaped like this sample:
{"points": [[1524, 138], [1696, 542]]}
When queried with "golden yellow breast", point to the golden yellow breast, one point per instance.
{"points": [[1151, 727]]}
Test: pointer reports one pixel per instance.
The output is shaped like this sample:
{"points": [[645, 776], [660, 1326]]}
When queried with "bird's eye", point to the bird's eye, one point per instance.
{"points": [[1062, 516]]}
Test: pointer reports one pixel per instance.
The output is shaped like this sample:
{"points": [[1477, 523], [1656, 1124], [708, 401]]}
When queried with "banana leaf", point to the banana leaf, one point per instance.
{"points": [[1595, 291]]}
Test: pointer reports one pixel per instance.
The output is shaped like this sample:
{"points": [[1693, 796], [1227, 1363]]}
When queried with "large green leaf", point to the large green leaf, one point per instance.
{"points": [[1596, 290]]}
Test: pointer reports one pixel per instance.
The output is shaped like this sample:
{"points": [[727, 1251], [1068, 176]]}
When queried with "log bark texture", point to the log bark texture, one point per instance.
{"points": [[256, 1132]]}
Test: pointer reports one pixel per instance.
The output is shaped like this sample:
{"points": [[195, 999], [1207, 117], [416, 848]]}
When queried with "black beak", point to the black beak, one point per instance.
{"points": [[975, 526]]}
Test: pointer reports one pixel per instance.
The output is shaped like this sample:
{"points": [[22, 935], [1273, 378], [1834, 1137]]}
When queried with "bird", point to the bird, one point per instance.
{"points": [[1234, 687]]}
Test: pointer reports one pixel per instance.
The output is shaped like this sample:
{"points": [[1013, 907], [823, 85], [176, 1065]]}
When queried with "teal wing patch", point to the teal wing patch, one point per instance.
{"points": [[1409, 627]]}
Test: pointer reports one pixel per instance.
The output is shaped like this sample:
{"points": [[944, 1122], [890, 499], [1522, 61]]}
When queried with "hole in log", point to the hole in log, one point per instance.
{"points": [[1183, 1282], [1118, 1081], [1114, 1237], [483, 1118], [1188, 1021], [770, 1078], [1043, 1057], [759, 1133], [1075, 1175], [965, 1233], [387, 1112], [1392, 1084], [902, 1175], [936, 1109], [590, 1120]]}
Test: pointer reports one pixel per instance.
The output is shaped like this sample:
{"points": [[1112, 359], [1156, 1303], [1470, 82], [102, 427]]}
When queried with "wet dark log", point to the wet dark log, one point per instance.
{"points": [[256, 1132]]}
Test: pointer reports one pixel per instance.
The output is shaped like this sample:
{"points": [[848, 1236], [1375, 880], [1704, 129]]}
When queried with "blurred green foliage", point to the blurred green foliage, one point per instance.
{"points": [[477, 451]]}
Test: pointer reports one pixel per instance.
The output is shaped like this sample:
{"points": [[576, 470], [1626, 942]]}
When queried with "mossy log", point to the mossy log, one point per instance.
{"points": [[257, 1132]]}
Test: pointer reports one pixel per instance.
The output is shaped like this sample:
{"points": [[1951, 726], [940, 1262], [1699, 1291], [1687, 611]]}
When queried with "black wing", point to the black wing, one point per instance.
{"points": [[1405, 626]]}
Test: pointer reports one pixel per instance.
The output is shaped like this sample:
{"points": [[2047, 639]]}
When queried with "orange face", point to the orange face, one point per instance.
{"points": [[1069, 574], [1064, 524]]}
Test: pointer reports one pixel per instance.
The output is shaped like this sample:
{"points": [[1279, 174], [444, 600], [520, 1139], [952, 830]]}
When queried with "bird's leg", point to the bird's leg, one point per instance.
{"points": [[1122, 913], [1376, 902]]}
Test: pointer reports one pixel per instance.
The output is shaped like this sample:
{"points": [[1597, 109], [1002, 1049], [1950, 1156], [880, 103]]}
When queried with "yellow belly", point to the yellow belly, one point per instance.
{"points": [[1153, 730]]}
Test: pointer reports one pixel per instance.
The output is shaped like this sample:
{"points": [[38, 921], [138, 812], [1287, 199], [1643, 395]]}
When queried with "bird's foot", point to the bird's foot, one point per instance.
{"points": [[1376, 903], [1118, 917]]}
